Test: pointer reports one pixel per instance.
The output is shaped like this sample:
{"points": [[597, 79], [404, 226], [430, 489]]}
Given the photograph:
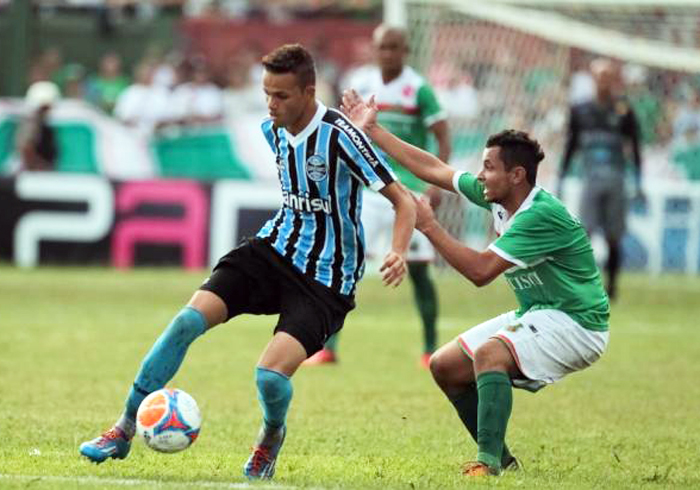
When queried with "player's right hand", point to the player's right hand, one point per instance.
{"points": [[361, 113], [393, 269]]}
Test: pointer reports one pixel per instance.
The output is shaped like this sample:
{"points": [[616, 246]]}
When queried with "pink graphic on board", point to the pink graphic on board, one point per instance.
{"points": [[187, 231]]}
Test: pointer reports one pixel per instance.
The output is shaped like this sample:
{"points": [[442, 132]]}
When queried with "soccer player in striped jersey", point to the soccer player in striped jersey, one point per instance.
{"points": [[561, 325], [304, 264]]}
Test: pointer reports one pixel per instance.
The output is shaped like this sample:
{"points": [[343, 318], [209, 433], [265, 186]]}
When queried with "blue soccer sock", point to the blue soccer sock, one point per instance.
{"points": [[164, 359], [275, 394]]}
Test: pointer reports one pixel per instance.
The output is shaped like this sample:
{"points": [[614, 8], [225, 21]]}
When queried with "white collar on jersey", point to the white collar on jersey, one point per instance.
{"points": [[295, 140], [502, 223], [528, 200]]}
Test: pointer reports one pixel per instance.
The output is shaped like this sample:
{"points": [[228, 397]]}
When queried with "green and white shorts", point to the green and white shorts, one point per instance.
{"points": [[546, 344], [378, 223]]}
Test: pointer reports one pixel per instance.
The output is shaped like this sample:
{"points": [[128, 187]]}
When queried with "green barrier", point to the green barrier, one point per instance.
{"points": [[76, 148], [8, 128], [199, 155], [207, 155]]}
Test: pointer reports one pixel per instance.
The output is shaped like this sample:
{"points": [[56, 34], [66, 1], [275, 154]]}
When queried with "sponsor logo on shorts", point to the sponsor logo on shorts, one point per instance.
{"points": [[316, 168], [515, 327]]}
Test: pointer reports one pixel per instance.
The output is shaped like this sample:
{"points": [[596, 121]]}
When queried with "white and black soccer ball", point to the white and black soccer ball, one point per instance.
{"points": [[168, 420]]}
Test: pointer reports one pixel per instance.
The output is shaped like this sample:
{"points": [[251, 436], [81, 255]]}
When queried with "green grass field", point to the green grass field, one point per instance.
{"points": [[71, 341]]}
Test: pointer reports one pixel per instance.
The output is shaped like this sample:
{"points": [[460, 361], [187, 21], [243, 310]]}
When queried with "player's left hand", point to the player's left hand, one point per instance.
{"points": [[363, 114], [393, 269], [424, 213]]}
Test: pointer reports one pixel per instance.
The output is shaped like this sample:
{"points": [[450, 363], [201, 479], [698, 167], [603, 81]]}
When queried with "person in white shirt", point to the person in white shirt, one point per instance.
{"points": [[198, 102], [143, 105]]}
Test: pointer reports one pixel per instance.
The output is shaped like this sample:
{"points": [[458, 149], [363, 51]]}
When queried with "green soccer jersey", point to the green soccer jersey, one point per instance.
{"points": [[407, 107], [554, 263]]}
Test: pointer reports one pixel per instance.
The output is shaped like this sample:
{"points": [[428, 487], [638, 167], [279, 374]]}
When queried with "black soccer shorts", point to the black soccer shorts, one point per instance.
{"points": [[253, 278]]}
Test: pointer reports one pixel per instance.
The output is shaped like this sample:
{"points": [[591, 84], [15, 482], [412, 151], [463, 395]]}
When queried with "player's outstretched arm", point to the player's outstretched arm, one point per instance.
{"points": [[479, 267], [422, 164], [394, 267]]}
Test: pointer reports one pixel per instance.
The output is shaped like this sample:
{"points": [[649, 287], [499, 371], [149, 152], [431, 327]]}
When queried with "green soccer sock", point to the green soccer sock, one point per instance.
{"points": [[332, 342], [426, 299], [495, 405], [467, 406]]}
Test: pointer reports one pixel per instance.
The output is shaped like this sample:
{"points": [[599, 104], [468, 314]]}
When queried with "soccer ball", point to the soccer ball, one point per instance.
{"points": [[168, 420]]}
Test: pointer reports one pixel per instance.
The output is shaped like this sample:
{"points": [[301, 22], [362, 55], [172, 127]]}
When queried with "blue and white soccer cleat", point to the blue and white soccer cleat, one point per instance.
{"points": [[111, 444], [261, 463]]}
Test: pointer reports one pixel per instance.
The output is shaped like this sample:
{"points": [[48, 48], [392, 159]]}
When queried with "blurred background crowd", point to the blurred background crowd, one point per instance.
{"points": [[172, 65], [162, 68]]}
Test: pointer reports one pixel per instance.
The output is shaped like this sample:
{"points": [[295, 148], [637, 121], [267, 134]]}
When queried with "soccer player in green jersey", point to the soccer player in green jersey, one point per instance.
{"points": [[561, 325], [407, 107]]}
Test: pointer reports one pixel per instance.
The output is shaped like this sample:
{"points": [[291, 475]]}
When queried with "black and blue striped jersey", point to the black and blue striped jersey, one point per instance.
{"points": [[321, 171]]}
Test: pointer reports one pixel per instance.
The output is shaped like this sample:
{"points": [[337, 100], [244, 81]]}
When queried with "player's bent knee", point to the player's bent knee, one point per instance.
{"points": [[439, 367], [450, 372], [211, 306]]}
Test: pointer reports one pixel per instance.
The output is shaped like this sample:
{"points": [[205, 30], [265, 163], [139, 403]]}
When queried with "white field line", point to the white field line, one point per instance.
{"points": [[130, 482]]}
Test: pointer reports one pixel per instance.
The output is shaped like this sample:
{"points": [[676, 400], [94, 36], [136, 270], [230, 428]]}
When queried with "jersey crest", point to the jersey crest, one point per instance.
{"points": [[316, 168]]}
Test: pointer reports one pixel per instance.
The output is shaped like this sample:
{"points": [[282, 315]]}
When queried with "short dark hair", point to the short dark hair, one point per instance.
{"points": [[517, 148], [292, 58]]}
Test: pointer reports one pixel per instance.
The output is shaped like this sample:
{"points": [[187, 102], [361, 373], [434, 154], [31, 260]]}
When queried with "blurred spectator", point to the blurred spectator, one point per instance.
{"points": [[46, 66], [646, 104], [241, 95], [36, 141], [216, 8], [362, 64], [165, 73], [456, 92], [686, 123], [143, 105], [198, 102], [182, 72], [251, 56], [582, 87], [105, 87], [546, 119], [327, 72], [73, 81]]}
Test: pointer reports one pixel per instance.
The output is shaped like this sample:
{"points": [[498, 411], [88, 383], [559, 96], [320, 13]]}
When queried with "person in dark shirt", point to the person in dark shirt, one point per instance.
{"points": [[606, 132], [36, 142]]}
